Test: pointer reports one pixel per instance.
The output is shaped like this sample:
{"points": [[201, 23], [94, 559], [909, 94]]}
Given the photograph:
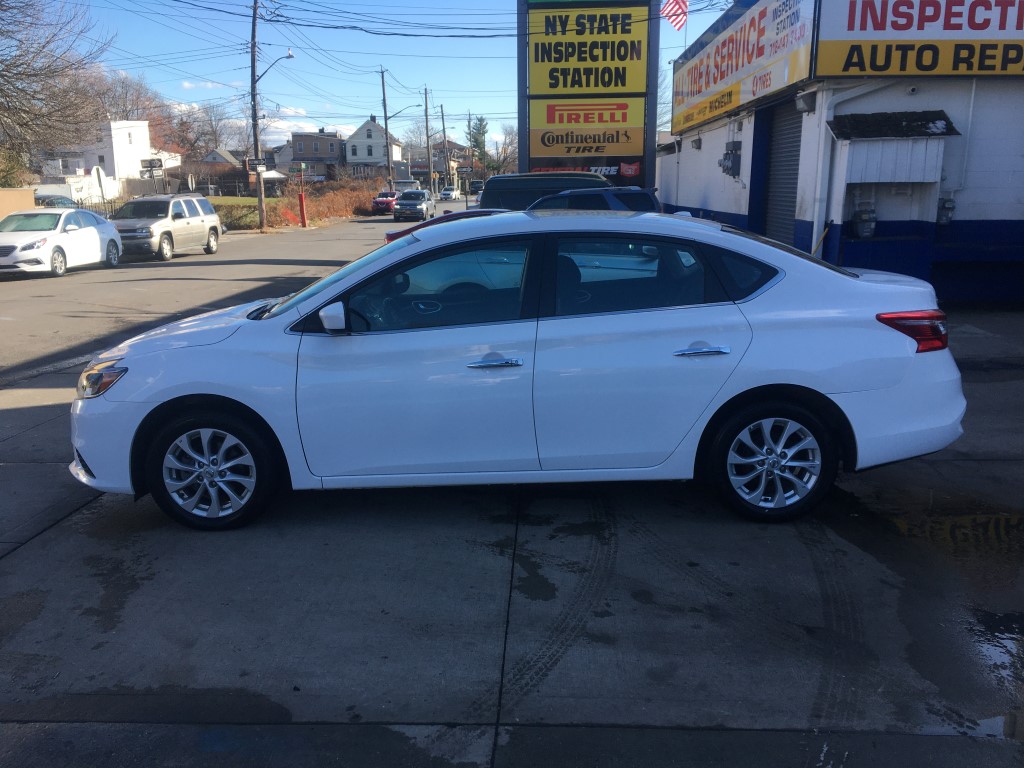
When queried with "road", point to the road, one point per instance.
{"points": [[612, 625]]}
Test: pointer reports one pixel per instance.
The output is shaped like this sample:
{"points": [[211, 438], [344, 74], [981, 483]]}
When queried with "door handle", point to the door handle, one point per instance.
{"points": [[508, 362], [702, 351]]}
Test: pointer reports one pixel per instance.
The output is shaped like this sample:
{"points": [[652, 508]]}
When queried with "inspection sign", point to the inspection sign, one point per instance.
{"points": [[585, 81], [920, 38]]}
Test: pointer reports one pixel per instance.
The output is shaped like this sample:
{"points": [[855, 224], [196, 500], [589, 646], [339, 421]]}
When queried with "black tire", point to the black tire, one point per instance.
{"points": [[165, 250], [212, 242], [760, 475], [112, 258], [58, 263], [202, 495]]}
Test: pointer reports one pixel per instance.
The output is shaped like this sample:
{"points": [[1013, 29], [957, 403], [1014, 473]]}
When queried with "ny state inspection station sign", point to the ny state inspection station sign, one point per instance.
{"points": [[585, 80]]}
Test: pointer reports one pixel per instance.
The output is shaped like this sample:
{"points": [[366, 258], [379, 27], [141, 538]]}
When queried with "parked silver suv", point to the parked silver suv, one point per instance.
{"points": [[162, 224]]}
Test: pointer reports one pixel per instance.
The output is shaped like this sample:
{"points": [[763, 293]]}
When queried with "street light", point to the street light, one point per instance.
{"points": [[261, 203], [387, 140]]}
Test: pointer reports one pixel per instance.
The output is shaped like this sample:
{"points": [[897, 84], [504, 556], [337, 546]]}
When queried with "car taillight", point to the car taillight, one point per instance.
{"points": [[926, 326]]}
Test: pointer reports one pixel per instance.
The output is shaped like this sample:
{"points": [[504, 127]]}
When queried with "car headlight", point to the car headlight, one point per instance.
{"points": [[33, 245], [98, 378]]}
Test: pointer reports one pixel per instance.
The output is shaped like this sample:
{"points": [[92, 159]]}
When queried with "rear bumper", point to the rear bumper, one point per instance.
{"points": [[921, 415]]}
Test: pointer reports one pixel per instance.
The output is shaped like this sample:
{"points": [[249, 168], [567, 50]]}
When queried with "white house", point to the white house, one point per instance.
{"points": [[368, 149]]}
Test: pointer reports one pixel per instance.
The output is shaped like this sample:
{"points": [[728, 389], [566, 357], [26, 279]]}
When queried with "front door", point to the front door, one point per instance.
{"points": [[436, 375]]}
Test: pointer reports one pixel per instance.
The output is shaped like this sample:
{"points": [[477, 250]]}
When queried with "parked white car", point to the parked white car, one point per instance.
{"points": [[451, 193], [527, 348], [54, 239]]}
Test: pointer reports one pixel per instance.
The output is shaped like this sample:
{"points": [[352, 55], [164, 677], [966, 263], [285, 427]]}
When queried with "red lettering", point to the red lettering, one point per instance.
{"points": [[931, 10], [761, 29], [903, 15], [973, 21], [954, 15]]}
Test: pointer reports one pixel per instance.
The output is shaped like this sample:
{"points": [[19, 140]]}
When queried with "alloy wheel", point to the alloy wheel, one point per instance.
{"points": [[209, 473], [773, 463]]}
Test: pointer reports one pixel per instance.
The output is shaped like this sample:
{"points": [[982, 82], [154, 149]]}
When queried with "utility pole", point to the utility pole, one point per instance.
{"points": [[261, 203], [387, 133], [447, 163], [426, 131]]}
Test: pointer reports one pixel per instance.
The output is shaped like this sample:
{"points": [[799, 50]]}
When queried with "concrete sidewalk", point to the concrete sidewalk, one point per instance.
{"points": [[38, 490]]}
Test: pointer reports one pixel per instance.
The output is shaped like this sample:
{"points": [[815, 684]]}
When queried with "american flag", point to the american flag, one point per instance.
{"points": [[676, 12]]}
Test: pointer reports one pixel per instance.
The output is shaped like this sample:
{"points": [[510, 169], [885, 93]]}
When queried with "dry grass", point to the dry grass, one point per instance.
{"points": [[324, 200]]}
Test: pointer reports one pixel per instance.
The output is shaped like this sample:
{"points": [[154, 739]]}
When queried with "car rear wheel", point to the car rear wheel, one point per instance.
{"points": [[773, 461], [165, 251], [113, 255], [212, 242], [210, 471], [58, 263]]}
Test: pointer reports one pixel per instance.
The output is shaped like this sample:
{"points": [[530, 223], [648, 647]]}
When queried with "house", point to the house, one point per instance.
{"points": [[123, 152], [322, 151], [368, 151]]}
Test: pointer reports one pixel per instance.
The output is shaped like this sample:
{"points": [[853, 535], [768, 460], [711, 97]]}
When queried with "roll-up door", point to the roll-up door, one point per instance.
{"points": [[783, 173]]}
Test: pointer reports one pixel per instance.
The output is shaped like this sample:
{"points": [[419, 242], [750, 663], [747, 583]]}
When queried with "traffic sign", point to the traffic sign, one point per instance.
{"points": [[153, 162], [257, 166]]}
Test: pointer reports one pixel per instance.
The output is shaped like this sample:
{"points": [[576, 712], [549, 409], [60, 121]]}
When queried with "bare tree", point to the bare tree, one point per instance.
{"points": [[45, 46], [506, 154]]}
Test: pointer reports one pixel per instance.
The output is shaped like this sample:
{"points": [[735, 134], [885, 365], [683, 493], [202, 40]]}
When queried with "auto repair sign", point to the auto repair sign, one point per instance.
{"points": [[763, 51], [899, 38]]}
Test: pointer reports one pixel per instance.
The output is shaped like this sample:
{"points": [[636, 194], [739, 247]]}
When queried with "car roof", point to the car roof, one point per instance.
{"points": [[595, 222]]}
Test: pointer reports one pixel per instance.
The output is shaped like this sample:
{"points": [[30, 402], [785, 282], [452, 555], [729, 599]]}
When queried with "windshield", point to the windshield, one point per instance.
{"points": [[387, 194], [411, 195], [328, 282], [30, 222], [142, 209]]}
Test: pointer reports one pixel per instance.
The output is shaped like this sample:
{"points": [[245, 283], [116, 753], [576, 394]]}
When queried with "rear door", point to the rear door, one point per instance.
{"points": [[638, 340]]}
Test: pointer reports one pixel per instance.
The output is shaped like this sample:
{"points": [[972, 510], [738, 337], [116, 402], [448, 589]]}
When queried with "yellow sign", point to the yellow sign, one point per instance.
{"points": [[974, 58], [572, 127], [599, 50]]}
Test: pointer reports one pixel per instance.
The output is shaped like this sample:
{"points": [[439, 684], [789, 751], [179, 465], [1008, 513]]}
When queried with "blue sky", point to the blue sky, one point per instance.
{"points": [[197, 51]]}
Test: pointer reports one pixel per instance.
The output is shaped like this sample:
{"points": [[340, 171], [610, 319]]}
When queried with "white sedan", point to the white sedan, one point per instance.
{"points": [[531, 348], [451, 193], [54, 239]]}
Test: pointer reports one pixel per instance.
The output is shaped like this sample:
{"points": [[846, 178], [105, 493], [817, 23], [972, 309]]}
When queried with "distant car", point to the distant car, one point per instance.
{"points": [[606, 199], [443, 218], [54, 239], [476, 186], [531, 348], [55, 201], [162, 224], [451, 193], [417, 204], [384, 202]]}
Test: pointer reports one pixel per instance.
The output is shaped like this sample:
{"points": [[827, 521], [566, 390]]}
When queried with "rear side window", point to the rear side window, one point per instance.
{"points": [[205, 206], [740, 275], [190, 206]]}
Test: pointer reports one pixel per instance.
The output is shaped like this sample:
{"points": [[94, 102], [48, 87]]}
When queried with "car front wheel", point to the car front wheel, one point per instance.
{"points": [[773, 461], [165, 251], [210, 471], [58, 263], [113, 256]]}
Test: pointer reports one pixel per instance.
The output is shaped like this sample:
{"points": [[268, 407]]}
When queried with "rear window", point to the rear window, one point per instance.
{"points": [[205, 206]]}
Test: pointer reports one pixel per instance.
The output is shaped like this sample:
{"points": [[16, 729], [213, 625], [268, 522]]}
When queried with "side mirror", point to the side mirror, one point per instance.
{"points": [[333, 317], [71, 228], [177, 215]]}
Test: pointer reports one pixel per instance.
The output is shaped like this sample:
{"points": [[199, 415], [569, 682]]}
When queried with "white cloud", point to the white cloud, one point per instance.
{"points": [[188, 85]]}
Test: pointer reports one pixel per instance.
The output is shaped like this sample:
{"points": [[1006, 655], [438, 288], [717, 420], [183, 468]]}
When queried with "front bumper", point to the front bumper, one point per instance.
{"points": [[139, 243], [411, 214], [101, 436]]}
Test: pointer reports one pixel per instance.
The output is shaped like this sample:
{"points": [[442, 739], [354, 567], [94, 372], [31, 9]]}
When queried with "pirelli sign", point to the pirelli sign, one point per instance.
{"points": [[900, 38], [585, 86]]}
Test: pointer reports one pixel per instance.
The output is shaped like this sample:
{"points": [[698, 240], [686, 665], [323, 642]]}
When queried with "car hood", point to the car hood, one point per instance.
{"points": [[20, 238], [198, 331]]}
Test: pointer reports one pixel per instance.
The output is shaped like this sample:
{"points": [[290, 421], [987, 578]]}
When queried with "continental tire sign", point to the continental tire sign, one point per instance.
{"points": [[585, 73], [899, 38]]}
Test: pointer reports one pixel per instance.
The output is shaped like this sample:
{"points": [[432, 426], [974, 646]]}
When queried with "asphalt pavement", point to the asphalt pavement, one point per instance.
{"points": [[240, 727]]}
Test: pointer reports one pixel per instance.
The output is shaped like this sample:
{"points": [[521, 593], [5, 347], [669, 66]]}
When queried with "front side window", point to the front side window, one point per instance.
{"points": [[464, 286], [619, 274], [177, 209]]}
